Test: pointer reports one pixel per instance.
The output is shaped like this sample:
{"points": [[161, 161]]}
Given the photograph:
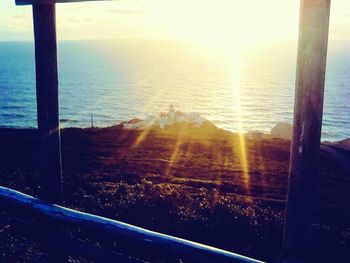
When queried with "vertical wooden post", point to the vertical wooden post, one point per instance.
{"points": [[44, 18], [47, 99], [308, 110]]}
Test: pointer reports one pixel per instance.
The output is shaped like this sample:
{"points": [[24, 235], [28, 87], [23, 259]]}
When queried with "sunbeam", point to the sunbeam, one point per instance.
{"points": [[236, 88]]}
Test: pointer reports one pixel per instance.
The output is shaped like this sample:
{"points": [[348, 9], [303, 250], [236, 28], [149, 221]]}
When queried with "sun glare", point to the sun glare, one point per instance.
{"points": [[227, 24], [236, 102], [221, 25]]}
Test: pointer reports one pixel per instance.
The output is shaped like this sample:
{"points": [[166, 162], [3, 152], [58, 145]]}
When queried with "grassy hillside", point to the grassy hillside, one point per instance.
{"points": [[205, 184]]}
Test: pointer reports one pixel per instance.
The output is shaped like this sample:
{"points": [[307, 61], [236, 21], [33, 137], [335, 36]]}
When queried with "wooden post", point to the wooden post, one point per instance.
{"points": [[44, 19], [308, 110], [47, 99]]}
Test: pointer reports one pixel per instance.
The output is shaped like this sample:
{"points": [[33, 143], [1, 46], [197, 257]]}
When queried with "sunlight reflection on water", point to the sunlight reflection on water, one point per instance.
{"points": [[116, 81]]}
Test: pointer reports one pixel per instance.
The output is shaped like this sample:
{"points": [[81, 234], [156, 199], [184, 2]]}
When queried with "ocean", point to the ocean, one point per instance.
{"points": [[118, 80]]}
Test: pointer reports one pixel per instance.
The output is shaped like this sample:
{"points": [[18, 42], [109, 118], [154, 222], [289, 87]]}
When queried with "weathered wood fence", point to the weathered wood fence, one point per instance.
{"points": [[308, 111], [169, 248]]}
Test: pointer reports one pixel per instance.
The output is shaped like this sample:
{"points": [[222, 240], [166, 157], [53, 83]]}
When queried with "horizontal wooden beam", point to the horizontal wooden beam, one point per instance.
{"points": [[66, 245], [129, 234], [41, 2]]}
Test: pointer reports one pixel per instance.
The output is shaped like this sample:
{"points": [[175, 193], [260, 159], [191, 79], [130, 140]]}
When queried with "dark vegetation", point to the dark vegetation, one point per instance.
{"points": [[187, 182]]}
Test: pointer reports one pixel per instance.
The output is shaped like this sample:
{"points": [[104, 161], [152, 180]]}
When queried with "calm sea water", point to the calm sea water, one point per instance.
{"points": [[119, 80]]}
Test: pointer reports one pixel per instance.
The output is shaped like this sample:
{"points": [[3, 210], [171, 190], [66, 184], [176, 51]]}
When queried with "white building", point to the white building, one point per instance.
{"points": [[195, 118], [172, 113], [163, 120], [133, 123], [167, 118], [180, 116]]}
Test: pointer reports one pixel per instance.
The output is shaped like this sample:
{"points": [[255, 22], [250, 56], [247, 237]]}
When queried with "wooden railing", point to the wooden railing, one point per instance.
{"points": [[151, 243], [308, 112]]}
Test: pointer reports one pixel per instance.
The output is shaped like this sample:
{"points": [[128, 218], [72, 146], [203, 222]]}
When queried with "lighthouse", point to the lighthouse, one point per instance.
{"points": [[171, 113]]}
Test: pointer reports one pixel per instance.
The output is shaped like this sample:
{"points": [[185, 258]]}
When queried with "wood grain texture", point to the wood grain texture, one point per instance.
{"points": [[135, 236], [308, 111], [32, 2]]}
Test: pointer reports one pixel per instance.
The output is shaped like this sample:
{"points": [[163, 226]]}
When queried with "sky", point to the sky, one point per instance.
{"points": [[234, 22]]}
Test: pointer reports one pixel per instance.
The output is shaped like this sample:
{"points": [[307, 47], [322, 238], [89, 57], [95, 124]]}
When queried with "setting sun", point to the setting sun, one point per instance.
{"points": [[204, 131], [227, 24]]}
